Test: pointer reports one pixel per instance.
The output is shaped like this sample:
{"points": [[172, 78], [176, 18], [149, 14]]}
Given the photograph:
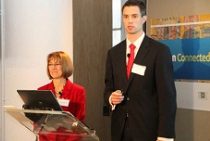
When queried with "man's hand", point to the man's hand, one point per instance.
{"points": [[116, 97]]}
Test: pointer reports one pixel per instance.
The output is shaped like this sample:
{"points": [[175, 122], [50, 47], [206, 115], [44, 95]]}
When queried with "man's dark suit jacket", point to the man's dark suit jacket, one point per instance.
{"points": [[150, 99]]}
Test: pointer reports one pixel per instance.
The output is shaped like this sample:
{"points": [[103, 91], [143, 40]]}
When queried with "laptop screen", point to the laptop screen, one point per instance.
{"points": [[39, 99]]}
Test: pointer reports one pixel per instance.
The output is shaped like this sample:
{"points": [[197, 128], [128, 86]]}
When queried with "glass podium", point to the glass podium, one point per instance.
{"points": [[52, 125]]}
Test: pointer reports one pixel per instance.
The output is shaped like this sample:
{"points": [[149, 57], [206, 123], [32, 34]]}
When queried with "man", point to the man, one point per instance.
{"points": [[143, 95]]}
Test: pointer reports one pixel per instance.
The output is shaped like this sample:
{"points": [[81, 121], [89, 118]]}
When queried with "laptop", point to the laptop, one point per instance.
{"points": [[39, 99]]}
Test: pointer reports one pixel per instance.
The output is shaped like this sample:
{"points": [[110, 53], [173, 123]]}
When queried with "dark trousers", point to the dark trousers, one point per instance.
{"points": [[127, 134]]}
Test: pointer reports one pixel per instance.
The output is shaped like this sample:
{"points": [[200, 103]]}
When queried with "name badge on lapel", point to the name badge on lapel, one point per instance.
{"points": [[138, 69], [63, 102]]}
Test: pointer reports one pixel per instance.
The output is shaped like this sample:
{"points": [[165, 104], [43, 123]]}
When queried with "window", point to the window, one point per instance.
{"points": [[116, 22]]}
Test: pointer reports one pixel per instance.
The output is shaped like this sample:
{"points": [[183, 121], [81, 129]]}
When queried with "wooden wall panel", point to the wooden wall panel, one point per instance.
{"points": [[92, 37], [192, 125]]}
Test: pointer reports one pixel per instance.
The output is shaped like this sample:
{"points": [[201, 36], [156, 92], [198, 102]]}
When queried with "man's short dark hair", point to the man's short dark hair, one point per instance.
{"points": [[138, 3]]}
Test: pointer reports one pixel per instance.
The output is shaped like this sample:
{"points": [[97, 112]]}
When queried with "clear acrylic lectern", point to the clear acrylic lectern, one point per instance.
{"points": [[57, 124]]}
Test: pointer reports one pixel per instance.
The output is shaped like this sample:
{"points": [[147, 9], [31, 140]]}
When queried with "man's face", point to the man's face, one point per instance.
{"points": [[132, 19]]}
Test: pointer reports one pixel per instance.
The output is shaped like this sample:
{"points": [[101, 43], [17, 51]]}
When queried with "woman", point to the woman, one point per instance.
{"points": [[59, 68]]}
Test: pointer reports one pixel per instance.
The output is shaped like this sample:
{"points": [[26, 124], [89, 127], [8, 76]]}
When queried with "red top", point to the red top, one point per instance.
{"points": [[77, 96], [73, 92]]}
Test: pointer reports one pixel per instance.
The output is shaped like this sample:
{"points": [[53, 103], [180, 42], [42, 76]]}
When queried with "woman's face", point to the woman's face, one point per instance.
{"points": [[55, 68]]}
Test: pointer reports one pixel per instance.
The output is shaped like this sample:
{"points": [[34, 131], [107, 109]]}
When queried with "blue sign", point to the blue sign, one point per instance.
{"points": [[191, 58]]}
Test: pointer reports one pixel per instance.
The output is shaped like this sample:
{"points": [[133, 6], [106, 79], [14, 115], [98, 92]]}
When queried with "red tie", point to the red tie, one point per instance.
{"points": [[130, 59]]}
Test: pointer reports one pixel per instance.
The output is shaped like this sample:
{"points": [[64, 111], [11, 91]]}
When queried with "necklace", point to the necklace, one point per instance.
{"points": [[59, 86], [58, 94]]}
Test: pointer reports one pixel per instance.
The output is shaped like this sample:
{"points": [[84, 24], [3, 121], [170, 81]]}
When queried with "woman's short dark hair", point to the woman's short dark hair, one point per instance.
{"points": [[64, 60], [138, 3]]}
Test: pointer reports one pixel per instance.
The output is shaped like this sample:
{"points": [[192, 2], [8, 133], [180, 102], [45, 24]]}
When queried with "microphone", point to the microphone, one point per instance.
{"points": [[60, 94], [128, 55]]}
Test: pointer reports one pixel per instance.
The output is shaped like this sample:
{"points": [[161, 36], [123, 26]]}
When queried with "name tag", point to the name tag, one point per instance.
{"points": [[63, 102], [138, 69]]}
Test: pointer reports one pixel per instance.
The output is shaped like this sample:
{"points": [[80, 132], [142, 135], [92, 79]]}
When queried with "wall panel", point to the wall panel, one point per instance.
{"points": [[92, 37], [31, 30]]}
